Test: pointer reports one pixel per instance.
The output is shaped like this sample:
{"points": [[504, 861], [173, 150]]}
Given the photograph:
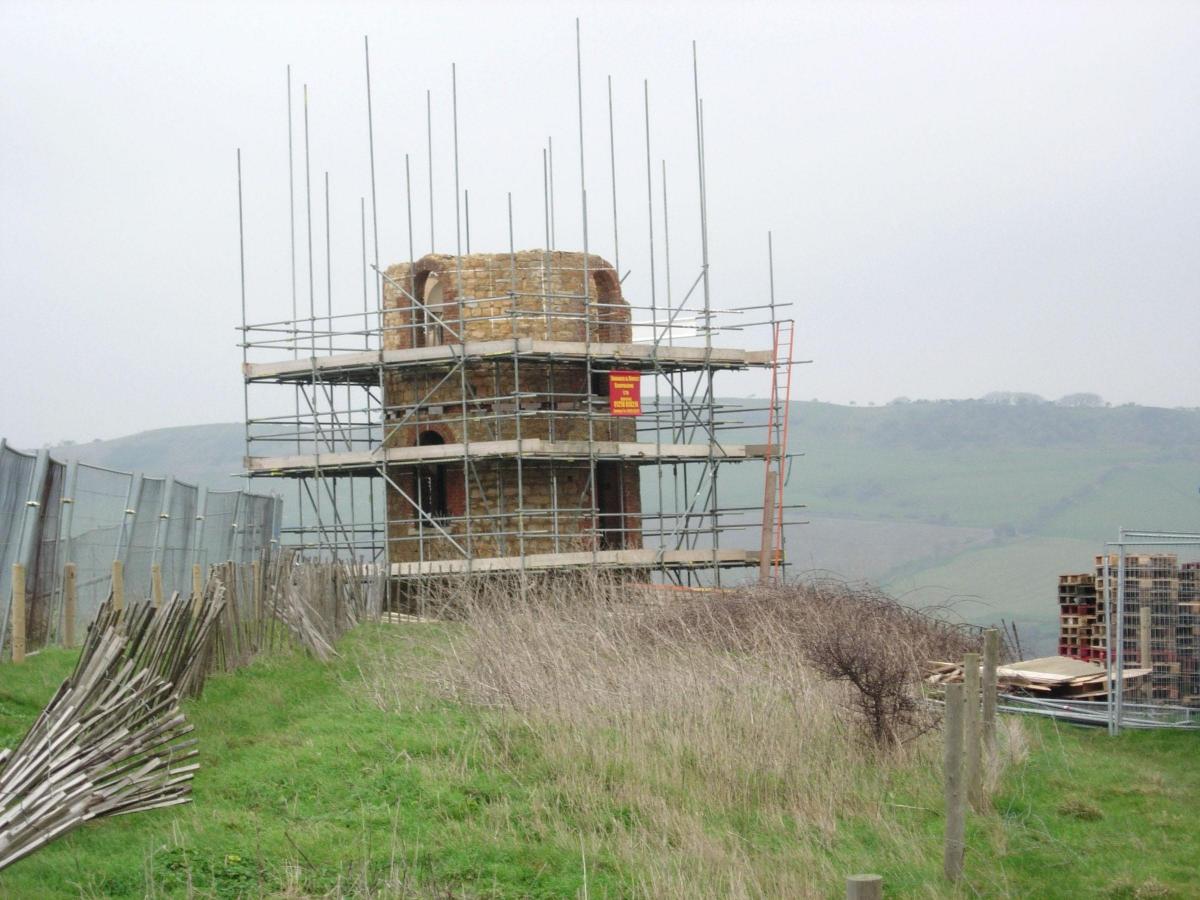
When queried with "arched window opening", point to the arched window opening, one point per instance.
{"points": [[434, 311], [431, 481], [427, 310], [608, 314]]}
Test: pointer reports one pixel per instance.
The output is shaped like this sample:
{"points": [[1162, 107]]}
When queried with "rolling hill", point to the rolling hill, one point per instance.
{"points": [[971, 504]]}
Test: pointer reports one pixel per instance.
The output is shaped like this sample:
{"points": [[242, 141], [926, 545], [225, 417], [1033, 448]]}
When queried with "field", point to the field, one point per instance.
{"points": [[939, 498], [442, 760]]}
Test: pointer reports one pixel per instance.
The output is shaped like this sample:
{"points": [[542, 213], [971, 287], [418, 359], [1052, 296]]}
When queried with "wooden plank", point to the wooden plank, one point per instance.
{"points": [[529, 448], [628, 354], [603, 558]]}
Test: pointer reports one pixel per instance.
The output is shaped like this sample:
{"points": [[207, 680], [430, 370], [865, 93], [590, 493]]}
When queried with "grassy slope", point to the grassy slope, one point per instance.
{"points": [[309, 787]]}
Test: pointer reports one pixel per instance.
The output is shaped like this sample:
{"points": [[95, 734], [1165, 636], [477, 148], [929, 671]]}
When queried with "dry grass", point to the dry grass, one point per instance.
{"points": [[717, 746]]}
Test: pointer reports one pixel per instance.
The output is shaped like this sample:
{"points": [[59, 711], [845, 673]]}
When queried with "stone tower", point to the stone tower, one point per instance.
{"points": [[503, 400]]}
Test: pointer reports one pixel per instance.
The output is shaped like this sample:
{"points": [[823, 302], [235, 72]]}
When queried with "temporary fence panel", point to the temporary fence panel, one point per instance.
{"points": [[44, 559], [1148, 603], [16, 471], [93, 529], [220, 519], [139, 552], [53, 513], [177, 545]]}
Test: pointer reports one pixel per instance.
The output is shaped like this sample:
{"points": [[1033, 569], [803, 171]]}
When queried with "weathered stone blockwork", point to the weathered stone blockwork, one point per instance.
{"points": [[537, 507]]}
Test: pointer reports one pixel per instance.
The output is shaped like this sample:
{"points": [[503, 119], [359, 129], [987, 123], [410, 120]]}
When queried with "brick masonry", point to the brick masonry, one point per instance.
{"points": [[534, 507]]}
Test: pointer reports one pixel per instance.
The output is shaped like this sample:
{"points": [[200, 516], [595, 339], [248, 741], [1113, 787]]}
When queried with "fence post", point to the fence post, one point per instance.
{"points": [[156, 588], [118, 586], [973, 770], [256, 590], [956, 812], [18, 613], [864, 887], [69, 600], [991, 660], [197, 587]]}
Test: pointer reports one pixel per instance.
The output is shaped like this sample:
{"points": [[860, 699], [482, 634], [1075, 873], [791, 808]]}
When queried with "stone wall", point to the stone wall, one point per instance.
{"points": [[536, 295]]}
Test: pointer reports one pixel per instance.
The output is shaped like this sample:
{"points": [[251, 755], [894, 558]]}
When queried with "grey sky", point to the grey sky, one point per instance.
{"points": [[964, 198]]}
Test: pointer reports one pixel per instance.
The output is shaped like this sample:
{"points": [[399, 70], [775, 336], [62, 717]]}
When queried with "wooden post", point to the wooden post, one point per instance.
{"points": [[118, 585], [69, 600], [197, 587], [156, 592], [18, 613], [256, 590], [956, 807], [991, 659], [767, 544], [972, 764], [864, 887]]}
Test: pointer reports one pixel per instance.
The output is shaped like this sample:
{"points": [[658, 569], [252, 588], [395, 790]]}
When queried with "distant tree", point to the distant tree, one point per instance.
{"points": [[899, 401], [1084, 401]]}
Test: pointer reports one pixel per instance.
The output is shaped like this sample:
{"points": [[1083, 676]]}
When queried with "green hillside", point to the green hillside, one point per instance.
{"points": [[935, 500]]}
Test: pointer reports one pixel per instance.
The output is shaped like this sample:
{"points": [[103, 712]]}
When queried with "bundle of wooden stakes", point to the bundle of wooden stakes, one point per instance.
{"points": [[111, 741]]}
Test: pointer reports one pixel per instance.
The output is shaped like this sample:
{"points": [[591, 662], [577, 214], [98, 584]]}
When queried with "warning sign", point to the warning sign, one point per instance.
{"points": [[625, 393]]}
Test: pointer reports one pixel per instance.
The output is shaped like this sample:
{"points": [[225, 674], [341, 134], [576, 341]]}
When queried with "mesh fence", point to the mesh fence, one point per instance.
{"points": [[141, 553], [1148, 609], [16, 473], [53, 513], [220, 517], [177, 545]]}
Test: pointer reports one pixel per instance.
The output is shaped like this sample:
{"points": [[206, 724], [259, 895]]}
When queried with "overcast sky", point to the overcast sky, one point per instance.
{"points": [[964, 197]]}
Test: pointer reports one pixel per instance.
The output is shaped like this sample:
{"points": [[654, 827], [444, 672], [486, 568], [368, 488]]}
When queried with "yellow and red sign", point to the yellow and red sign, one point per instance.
{"points": [[625, 393]]}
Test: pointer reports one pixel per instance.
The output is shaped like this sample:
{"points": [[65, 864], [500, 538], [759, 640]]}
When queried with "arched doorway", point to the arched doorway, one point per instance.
{"points": [[431, 480]]}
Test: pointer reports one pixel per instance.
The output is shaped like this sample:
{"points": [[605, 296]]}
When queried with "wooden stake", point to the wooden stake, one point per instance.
{"points": [[69, 600], [864, 887], [118, 585], [156, 592], [956, 812], [991, 659], [767, 546], [197, 587], [18, 613], [973, 769], [256, 591]]}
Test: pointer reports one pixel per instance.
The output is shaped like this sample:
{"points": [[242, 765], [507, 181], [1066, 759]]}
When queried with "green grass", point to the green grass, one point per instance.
{"points": [[309, 788], [1097, 816], [307, 784]]}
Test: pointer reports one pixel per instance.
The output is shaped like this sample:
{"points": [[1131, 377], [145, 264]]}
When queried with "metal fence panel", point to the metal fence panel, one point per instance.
{"points": [[177, 541], [1148, 599], [53, 513], [45, 563], [139, 553], [16, 471], [220, 517], [93, 535]]}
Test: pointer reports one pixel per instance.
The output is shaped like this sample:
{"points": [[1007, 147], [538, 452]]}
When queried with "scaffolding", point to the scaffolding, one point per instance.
{"points": [[466, 418]]}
